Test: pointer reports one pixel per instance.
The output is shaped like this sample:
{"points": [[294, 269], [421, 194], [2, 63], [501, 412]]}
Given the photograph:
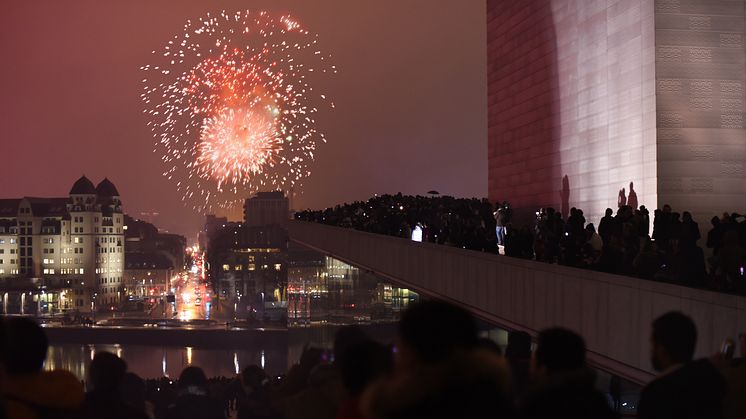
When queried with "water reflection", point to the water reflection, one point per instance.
{"points": [[323, 294], [154, 362], [325, 290]]}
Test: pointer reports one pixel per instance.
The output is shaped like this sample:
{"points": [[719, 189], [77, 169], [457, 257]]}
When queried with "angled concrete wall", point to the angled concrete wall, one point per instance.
{"points": [[613, 313]]}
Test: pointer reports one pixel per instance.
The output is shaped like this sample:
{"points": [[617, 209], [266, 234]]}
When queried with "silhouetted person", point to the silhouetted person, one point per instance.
{"points": [[193, 400], [632, 196], [606, 226], [734, 402], [360, 366], [564, 385], [323, 390], [732, 259], [662, 229], [647, 262], [644, 226], [255, 401], [675, 226], [689, 262], [106, 377], [689, 230], [592, 238], [685, 389], [134, 394], [28, 391], [518, 354], [501, 223], [715, 235], [440, 371]]}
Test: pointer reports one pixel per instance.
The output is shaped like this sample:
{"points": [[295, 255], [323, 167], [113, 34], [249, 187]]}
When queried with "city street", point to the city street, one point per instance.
{"points": [[192, 296]]}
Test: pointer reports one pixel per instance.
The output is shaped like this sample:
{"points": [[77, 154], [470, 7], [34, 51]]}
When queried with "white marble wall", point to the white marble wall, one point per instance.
{"points": [[571, 92]]}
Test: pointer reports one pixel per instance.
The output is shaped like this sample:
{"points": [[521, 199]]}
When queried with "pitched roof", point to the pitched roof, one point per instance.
{"points": [[48, 207], [9, 207]]}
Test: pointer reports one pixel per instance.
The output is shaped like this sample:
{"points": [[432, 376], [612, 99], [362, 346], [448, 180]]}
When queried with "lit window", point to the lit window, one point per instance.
{"points": [[238, 267], [226, 267], [278, 266], [13, 241], [252, 266]]}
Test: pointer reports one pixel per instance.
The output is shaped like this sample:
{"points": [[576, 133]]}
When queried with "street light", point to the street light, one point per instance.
{"points": [[93, 306]]}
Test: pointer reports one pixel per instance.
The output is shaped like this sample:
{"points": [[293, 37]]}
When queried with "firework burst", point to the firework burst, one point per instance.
{"points": [[232, 107]]}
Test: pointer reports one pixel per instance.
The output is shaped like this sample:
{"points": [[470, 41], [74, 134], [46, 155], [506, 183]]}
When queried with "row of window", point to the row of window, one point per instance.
{"points": [[12, 271], [108, 250], [95, 219], [45, 261], [107, 270], [251, 267], [48, 251], [109, 280], [12, 251]]}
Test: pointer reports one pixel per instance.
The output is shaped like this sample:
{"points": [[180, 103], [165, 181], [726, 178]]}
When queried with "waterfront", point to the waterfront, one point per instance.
{"points": [[322, 298]]}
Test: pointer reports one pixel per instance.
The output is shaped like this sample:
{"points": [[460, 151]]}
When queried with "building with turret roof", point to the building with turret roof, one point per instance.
{"points": [[73, 244]]}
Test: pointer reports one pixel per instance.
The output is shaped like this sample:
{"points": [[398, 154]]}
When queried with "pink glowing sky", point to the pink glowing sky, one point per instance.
{"points": [[410, 98]]}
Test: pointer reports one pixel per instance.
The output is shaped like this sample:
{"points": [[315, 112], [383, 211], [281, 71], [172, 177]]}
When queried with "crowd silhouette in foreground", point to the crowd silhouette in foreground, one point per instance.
{"points": [[630, 241], [439, 368]]}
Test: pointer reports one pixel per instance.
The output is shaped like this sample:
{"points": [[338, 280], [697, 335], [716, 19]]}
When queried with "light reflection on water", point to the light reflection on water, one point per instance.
{"points": [[154, 362], [321, 297]]}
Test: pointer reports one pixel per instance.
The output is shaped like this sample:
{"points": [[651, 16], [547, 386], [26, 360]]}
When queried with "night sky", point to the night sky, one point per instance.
{"points": [[410, 98]]}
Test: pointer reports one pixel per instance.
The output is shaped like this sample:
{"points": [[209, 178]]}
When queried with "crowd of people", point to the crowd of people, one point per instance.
{"points": [[466, 223], [439, 368], [664, 246]]}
